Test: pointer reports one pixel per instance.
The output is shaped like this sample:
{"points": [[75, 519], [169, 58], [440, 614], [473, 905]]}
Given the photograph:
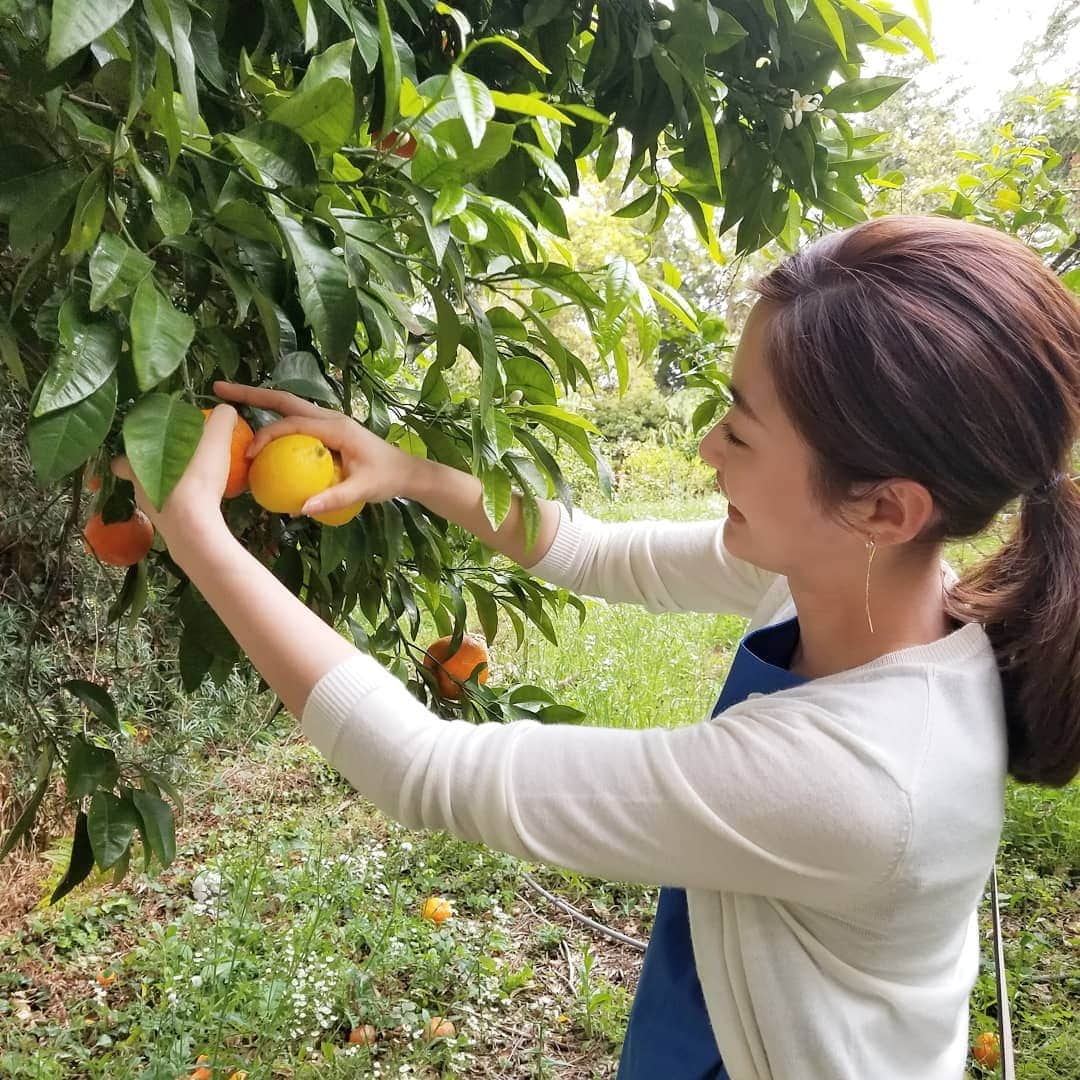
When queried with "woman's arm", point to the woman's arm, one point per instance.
{"points": [[665, 566], [734, 803]]}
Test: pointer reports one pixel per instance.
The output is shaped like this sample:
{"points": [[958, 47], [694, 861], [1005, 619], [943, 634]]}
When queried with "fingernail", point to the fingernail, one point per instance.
{"points": [[312, 506]]}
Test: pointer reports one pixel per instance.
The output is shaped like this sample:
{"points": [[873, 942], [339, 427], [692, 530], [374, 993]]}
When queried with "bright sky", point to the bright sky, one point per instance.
{"points": [[978, 41]]}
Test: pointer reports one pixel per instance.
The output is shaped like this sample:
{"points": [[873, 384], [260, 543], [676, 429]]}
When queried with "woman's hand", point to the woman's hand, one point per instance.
{"points": [[193, 507], [374, 470]]}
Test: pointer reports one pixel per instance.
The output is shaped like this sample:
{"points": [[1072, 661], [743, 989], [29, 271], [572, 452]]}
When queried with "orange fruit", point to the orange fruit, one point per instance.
{"points": [[202, 1072], [986, 1050], [437, 909], [398, 146], [439, 1028], [121, 543], [346, 513], [287, 471], [238, 462], [471, 653], [364, 1035], [106, 980]]}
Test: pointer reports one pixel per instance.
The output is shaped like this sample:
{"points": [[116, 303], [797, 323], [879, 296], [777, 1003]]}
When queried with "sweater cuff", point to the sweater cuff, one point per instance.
{"points": [[336, 695], [555, 565]]}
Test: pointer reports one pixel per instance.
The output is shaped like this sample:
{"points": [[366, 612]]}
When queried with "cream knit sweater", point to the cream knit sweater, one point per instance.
{"points": [[834, 839]]}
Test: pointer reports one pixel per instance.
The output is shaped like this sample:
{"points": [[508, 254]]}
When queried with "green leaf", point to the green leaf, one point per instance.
{"points": [[497, 495], [42, 773], [158, 830], [299, 373], [490, 377], [796, 7], [161, 434], [532, 378], [605, 156], [451, 202], [88, 768], [467, 163], [169, 204], [329, 303], [9, 354], [89, 214], [391, 69], [305, 12], [322, 110], [862, 95], [509, 43], [487, 611], [474, 101], [64, 440], [96, 698], [160, 335], [867, 14], [116, 269], [111, 825], [276, 155], [80, 368], [563, 418], [76, 23], [641, 205], [529, 105], [908, 28], [832, 23], [82, 860], [42, 205], [176, 19]]}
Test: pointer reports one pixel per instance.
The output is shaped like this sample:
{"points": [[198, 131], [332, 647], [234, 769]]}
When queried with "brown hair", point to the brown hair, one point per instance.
{"points": [[947, 353]]}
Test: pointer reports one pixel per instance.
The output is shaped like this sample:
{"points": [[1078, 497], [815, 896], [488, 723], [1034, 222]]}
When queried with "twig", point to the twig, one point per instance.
{"points": [[581, 917]]}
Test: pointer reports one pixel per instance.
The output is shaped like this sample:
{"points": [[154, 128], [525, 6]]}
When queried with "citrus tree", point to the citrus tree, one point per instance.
{"points": [[359, 201]]}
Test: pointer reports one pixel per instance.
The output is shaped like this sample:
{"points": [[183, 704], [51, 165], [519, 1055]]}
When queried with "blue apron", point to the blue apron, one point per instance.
{"points": [[669, 1036]]}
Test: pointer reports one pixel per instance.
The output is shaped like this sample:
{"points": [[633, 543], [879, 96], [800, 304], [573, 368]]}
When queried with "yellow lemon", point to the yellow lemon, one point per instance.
{"points": [[287, 471], [346, 513]]}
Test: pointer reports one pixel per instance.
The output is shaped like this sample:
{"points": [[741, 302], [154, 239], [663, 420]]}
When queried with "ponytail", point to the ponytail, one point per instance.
{"points": [[1027, 596]]}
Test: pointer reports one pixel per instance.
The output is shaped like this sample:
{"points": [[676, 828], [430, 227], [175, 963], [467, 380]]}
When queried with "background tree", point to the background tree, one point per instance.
{"points": [[360, 202]]}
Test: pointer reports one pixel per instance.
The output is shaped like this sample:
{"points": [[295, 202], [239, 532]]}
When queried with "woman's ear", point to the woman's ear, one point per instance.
{"points": [[897, 511]]}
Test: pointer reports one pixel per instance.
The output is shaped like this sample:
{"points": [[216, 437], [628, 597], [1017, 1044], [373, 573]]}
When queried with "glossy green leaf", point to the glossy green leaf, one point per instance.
{"points": [[474, 101], [10, 355], [832, 23], [76, 23], [63, 440], [867, 14], [89, 214], [111, 824], [862, 95], [81, 863], [42, 203], [161, 433], [451, 201], [157, 829], [391, 68], [321, 109], [116, 269], [79, 368], [96, 698], [299, 373], [88, 767], [329, 303], [497, 495], [276, 155], [529, 105], [160, 335], [42, 774]]}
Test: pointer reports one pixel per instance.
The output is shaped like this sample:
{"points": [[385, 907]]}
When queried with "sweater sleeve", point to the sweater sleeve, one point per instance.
{"points": [[662, 565], [769, 798]]}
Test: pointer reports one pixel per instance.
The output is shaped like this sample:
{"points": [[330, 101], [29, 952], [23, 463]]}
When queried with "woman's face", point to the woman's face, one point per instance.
{"points": [[763, 468]]}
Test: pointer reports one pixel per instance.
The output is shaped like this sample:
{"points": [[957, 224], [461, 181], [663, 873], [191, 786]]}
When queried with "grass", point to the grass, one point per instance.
{"points": [[314, 927]]}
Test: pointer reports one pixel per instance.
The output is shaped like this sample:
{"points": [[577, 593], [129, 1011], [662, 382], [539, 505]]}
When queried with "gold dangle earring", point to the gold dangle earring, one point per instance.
{"points": [[871, 546]]}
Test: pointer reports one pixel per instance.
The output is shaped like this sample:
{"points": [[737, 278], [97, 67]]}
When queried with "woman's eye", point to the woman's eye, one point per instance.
{"points": [[728, 434]]}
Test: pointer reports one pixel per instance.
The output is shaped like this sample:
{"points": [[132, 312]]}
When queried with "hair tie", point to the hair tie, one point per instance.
{"points": [[1048, 487]]}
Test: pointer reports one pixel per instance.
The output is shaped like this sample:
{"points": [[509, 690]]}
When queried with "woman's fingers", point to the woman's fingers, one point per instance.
{"points": [[339, 496], [322, 427], [261, 397]]}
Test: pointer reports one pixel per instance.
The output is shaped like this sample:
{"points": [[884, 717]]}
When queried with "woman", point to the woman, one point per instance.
{"points": [[824, 837]]}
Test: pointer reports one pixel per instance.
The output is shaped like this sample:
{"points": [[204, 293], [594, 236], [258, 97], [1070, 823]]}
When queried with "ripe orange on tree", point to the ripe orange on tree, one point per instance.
{"points": [[395, 144], [437, 909], [288, 470], [238, 462], [346, 513], [120, 543], [471, 653], [986, 1050]]}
